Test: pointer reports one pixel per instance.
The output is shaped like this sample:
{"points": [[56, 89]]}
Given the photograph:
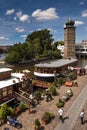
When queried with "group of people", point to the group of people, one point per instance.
{"points": [[61, 112]]}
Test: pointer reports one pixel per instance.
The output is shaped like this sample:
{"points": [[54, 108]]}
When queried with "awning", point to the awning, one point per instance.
{"points": [[76, 68]]}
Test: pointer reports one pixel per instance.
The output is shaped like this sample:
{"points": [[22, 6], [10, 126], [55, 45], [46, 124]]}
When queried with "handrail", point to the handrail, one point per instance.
{"points": [[24, 92], [28, 101]]}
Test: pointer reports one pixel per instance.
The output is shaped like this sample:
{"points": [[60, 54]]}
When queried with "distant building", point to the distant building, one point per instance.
{"points": [[61, 48], [5, 48], [69, 39], [81, 49]]}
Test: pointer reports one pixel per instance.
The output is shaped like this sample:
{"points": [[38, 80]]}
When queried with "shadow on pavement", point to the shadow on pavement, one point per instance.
{"points": [[85, 121], [33, 111], [65, 118], [42, 128]]}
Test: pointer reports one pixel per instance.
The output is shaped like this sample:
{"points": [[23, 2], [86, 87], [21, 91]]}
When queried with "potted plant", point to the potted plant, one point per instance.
{"points": [[36, 124], [69, 93], [47, 117], [37, 95], [65, 98], [53, 90], [60, 103]]}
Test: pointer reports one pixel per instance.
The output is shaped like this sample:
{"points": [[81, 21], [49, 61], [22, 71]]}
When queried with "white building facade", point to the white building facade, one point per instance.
{"points": [[81, 49]]}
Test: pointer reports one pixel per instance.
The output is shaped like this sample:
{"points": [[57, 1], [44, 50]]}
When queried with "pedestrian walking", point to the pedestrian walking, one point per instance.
{"points": [[60, 112], [48, 96], [82, 116]]}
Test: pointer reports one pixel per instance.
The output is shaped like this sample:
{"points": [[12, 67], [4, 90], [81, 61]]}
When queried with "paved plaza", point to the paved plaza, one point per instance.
{"points": [[72, 109]]}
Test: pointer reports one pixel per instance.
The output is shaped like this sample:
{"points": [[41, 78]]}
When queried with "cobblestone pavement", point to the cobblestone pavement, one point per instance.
{"points": [[36, 112]]}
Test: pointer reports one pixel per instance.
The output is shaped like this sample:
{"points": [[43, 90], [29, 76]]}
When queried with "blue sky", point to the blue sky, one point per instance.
{"points": [[18, 18]]}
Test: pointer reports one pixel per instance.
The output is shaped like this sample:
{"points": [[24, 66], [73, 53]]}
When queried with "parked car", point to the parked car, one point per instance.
{"points": [[14, 122]]}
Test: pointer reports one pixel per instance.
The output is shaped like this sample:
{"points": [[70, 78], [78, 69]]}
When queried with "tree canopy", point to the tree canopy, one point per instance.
{"points": [[37, 44]]}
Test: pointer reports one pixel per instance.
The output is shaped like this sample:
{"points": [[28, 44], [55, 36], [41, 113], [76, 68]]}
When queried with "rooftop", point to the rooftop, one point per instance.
{"points": [[5, 70], [56, 63], [9, 82]]}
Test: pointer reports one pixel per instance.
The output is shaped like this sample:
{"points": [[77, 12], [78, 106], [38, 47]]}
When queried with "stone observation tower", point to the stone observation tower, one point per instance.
{"points": [[69, 39]]}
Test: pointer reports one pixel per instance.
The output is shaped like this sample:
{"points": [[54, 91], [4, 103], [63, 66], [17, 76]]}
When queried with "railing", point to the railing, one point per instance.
{"points": [[20, 97], [27, 88]]}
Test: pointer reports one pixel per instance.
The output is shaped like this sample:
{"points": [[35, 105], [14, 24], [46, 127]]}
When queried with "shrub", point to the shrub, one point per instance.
{"points": [[60, 103], [37, 122], [5, 110], [11, 111], [72, 76], [61, 80], [47, 117], [22, 106], [65, 98], [69, 94], [53, 90], [37, 95]]}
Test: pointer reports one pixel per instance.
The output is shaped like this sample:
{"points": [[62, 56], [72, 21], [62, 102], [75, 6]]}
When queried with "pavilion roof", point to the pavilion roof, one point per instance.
{"points": [[56, 63]]}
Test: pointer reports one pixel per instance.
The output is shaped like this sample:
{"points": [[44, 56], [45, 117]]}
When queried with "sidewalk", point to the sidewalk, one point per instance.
{"points": [[73, 112]]}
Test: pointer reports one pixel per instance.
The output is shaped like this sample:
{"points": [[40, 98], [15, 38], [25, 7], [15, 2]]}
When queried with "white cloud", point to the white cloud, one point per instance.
{"points": [[19, 14], [20, 29], [77, 23], [9, 12], [81, 3], [84, 13], [39, 29], [45, 14], [24, 36], [52, 30], [3, 38], [22, 17]]}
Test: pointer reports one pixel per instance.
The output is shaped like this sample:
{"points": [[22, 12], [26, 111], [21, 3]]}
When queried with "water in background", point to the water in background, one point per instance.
{"points": [[82, 62], [2, 56]]}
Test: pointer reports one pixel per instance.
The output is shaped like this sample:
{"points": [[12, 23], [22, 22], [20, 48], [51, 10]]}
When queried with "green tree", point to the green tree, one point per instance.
{"points": [[13, 57], [5, 110], [37, 44], [61, 42], [41, 38]]}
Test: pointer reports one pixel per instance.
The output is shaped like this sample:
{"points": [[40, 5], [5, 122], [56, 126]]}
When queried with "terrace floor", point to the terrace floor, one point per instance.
{"points": [[36, 112]]}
